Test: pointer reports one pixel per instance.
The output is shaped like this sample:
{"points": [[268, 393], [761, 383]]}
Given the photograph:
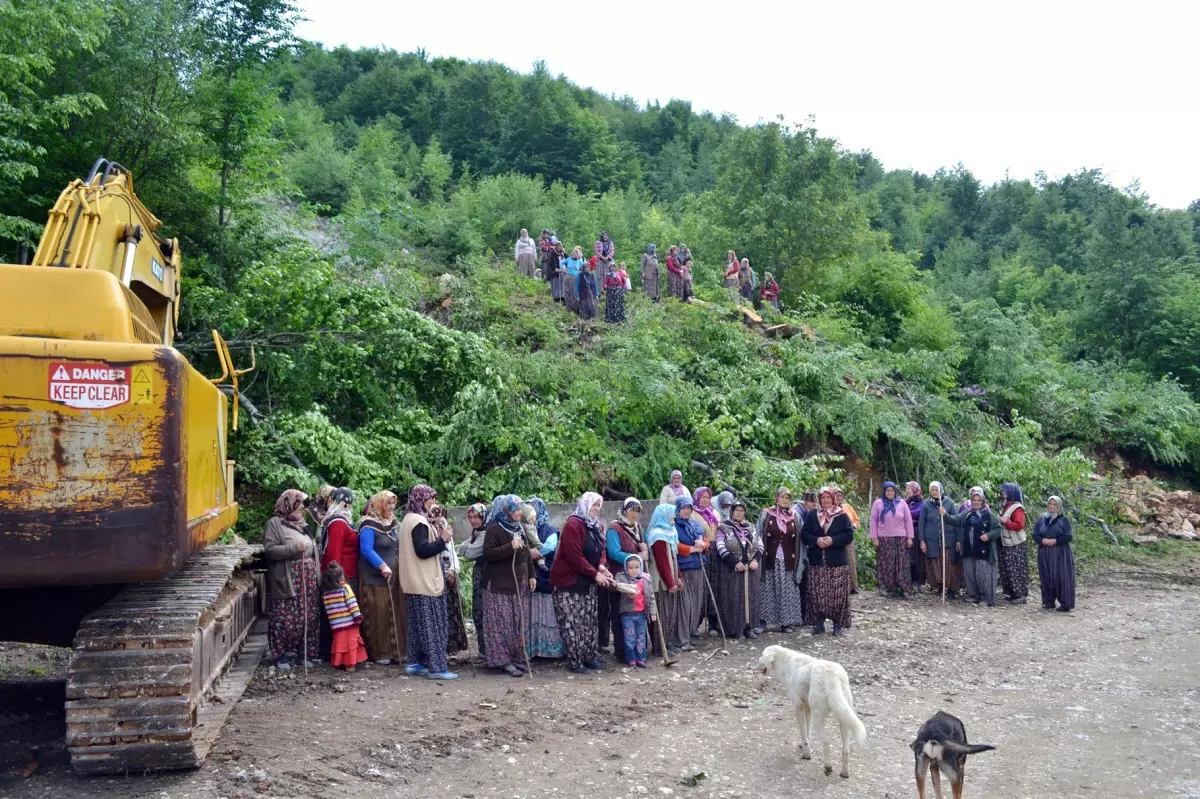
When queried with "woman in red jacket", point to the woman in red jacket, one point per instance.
{"points": [[579, 570], [1014, 554], [676, 286], [339, 539]]}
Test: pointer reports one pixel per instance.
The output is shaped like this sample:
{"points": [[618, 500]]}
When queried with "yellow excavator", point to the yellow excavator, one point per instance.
{"points": [[115, 486]]}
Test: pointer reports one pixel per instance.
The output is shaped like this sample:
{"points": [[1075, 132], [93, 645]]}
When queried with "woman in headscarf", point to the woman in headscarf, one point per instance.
{"points": [[732, 267], [382, 604], [769, 293], [976, 541], [826, 534], [614, 295], [292, 583], [1056, 563], [456, 628], [674, 275], [606, 255], [692, 546], [740, 551], [1014, 551], [586, 294], [338, 542], [508, 580], [622, 539], [525, 254], [689, 290], [915, 501], [472, 550], [553, 266], [544, 639], [420, 572], [892, 534], [674, 490], [318, 506], [724, 505], [650, 274], [839, 497], [746, 280], [782, 601], [571, 269], [709, 517], [579, 570], [971, 492], [663, 539], [930, 530], [685, 253]]}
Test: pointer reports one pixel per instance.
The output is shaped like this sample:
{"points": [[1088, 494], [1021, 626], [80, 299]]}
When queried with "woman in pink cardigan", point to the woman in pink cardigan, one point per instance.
{"points": [[892, 535]]}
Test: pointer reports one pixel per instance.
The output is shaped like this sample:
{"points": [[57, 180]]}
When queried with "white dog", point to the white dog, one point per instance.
{"points": [[817, 688]]}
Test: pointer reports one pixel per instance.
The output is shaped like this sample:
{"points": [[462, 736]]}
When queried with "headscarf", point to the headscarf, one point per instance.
{"points": [[529, 520], [501, 513], [638, 558], [481, 511], [584, 505], [743, 529], [418, 495], [941, 490], [825, 517], [629, 504], [784, 516], [768, 277], [290, 508], [544, 528], [680, 522], [724, 504], [889, 505], [375, 506], [1058, 504], [680, 489], [662, 526], [652, 250], [709, 514], [1011, 492], [319, 506], [916, 500]]}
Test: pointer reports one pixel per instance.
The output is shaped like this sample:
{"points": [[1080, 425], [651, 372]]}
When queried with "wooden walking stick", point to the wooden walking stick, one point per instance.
{"points": [[942, 519], [462, 623], [662, 641], [392, 607], [520, 615], [717, 610]]}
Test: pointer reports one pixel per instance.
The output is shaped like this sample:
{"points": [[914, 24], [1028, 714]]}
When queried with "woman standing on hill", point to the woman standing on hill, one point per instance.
{"points": [[650, 274], [892, 534], [1014, 552], [526, 254], [732, 267], [740, 551], [421, 544], [382, 604], [509, 575], [826, 534], [1056, 563], [585, 291], [746, 280], [929, 534], [674, 274], [292, 583], [779, 528], [571, 269], [606, 255], [579, 570], [614, 295], [770, 291]]}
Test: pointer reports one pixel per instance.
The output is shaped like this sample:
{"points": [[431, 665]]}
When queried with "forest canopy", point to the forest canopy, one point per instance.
{"points": [[329, 202]]}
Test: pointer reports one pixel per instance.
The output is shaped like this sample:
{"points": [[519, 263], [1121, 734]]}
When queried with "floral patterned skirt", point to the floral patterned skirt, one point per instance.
{"points": [[578, 616], [294, 621], [504, 620], [545, 641], [829, 595], [892, 569]]}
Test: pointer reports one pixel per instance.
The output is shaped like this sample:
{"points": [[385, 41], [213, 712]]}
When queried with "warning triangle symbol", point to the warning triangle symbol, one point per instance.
{"points": [[140, 376], [61, 374]]}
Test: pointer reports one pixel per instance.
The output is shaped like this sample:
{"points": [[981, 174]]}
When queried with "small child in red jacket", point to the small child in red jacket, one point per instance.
{"points": [[637, 605]]}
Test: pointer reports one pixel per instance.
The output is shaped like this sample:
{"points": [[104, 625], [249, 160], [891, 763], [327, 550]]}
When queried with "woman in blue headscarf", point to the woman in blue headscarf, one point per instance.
{"points": [[692, 545], [509, 579], [544, 638], [1014, 549], [663, 539]]}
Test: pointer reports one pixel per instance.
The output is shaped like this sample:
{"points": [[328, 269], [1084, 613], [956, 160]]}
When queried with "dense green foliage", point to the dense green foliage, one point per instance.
{"points": [[351, 214]]}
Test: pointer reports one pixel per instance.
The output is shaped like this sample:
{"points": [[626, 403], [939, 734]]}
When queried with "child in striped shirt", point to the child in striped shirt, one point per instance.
{"points": [[341, 608]]}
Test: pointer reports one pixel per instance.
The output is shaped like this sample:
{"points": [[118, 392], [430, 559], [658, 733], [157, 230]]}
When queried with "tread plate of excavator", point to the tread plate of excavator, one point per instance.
{"points": [[145, 661]]}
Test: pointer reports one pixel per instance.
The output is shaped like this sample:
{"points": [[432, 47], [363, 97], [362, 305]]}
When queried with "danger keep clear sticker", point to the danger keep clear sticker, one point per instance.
{"points": [[89, 386]]}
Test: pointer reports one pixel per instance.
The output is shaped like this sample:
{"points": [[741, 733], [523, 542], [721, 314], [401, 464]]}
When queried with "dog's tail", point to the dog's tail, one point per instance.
{"points": [[966, 749], [843, 709]]}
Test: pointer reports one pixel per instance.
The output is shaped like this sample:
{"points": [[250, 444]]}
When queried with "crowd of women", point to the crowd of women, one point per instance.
{"points": [[578, 283], [388, 586]]}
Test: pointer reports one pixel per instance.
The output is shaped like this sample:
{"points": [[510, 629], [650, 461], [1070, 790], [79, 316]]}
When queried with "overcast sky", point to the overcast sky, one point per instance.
{"points": [[1004, 87]]}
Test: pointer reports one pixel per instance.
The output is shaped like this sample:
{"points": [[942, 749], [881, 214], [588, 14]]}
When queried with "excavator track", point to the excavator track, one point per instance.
{"points": [[142, 687]]}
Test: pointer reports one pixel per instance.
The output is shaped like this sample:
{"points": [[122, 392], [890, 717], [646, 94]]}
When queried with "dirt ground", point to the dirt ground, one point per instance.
{"points": [[1099, 703]]}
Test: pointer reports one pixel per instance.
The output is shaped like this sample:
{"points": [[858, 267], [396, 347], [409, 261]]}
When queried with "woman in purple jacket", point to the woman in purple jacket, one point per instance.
{"points": [[892, 535]]}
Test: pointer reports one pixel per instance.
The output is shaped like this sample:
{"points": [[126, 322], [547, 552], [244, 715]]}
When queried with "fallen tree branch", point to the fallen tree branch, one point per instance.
{"points": [[1108, 534], [257, 418]]}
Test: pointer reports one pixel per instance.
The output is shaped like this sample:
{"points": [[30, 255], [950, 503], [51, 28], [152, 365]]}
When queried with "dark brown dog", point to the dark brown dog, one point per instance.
{"points": [[942, 745]]}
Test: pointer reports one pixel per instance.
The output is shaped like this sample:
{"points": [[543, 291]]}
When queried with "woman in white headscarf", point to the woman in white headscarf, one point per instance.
{"points": [[579, 570], [526, 253], [674, 490], [1056, 563]]}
